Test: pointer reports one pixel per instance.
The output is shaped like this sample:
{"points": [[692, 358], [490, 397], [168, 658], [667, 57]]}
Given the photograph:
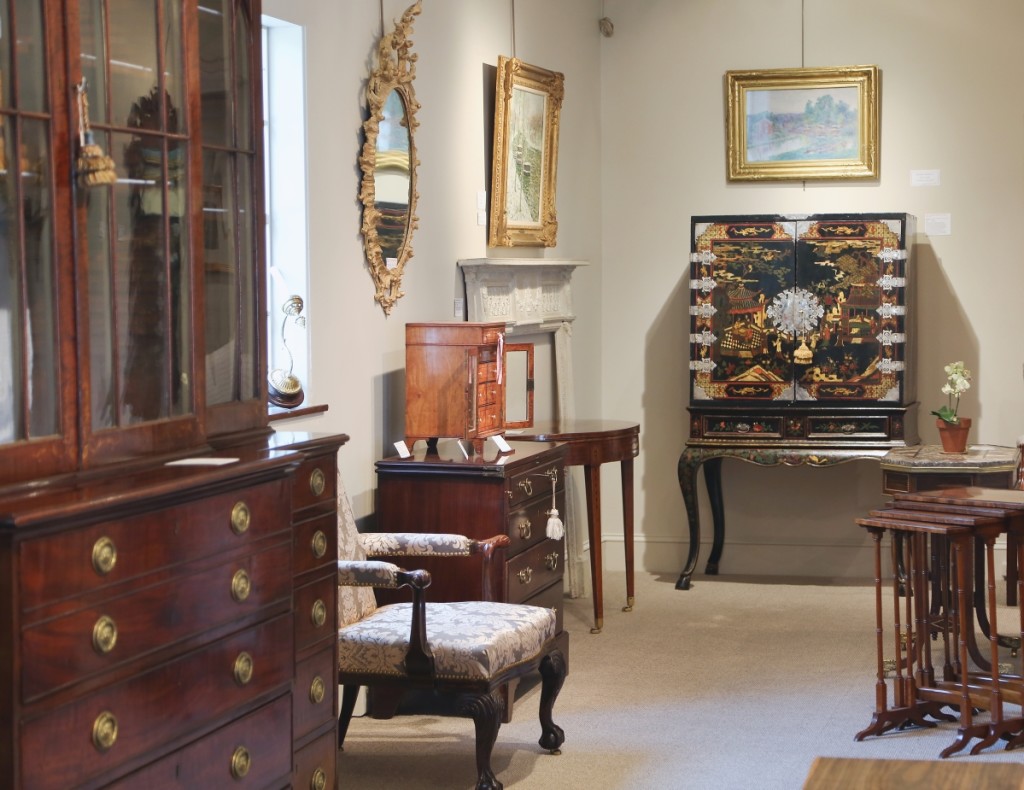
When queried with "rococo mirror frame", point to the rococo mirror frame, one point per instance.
{"points": [[395, 71]]}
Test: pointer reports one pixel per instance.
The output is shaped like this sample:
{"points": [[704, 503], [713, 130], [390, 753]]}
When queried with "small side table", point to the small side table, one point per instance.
{"points": [[590, 444]]}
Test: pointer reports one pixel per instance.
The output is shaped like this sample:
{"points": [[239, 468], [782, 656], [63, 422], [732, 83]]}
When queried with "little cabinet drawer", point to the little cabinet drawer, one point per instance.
{"points": [[486, 371], [316, 685], [97, 638], [315, 483], [487, 393], [534, 570], [71, 564], [122, 722], [489, 418], [536, 481], [316, 612], [316, 543]]}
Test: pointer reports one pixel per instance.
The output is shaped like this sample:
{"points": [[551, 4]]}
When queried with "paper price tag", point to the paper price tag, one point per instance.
{"points": [[402, 450], [502, 444]]}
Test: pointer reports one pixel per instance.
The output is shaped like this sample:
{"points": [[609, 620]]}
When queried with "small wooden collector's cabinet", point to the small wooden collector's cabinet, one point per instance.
{"points": [[454, 382], [482, 496], [801, 330]]}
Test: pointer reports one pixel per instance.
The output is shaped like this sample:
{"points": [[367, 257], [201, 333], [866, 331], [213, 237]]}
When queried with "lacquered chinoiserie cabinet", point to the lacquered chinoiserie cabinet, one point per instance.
{"points": [[801, 329], [481, 496], [454, 382], [166, 618]]}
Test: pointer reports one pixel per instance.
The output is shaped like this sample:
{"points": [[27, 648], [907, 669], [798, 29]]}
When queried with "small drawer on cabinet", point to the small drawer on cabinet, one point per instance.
{"points": [[315, 483], [249, 751], [536, 481], [316, 543], [316, 686], [527, 526], [315, 764], [486, 371], [73, 563], [123, 721], [97, 638], [489, 418], [534, 569], [487, 393], [316, 611]]}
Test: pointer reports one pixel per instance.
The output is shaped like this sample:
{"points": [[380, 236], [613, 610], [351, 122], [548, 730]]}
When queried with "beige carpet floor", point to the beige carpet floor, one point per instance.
{"points": [[735, 683]]}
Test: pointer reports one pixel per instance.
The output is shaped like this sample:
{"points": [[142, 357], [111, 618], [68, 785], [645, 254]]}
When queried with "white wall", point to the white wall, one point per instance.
{"points": [[642, 149]]}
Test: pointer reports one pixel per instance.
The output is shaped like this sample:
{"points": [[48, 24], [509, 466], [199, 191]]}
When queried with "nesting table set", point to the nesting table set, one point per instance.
{"points": [[943, 584]]}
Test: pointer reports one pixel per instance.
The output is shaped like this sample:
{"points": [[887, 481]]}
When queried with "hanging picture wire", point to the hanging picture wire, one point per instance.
{"points": [[93, 166]]}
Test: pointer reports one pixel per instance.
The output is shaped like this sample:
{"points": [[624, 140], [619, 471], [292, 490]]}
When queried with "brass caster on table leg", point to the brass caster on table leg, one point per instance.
{"points": [[629, 604], [598, 625]]}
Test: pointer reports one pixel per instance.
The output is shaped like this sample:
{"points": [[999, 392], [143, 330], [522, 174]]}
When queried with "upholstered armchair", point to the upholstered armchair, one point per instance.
{"points": [[468, 650]]}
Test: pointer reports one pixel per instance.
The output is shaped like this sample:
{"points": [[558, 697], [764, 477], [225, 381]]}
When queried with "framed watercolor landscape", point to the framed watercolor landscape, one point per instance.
{"points": [[799, 124]]}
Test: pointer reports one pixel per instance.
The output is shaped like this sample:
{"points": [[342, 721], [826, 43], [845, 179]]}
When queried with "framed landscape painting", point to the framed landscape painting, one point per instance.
{"points": [[799, 124], [526, 111]]}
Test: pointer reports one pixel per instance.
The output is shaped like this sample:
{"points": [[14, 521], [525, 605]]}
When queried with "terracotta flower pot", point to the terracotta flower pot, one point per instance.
{"points": [[954, 437]]}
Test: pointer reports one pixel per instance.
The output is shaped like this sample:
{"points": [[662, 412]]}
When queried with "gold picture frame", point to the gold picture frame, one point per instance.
{"points": [[802, 124], [528, 102]]}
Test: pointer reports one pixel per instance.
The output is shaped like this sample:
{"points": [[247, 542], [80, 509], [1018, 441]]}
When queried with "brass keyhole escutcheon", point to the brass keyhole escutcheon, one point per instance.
{"points": [[241, 762], [551, 560], [104, 731], [240, 518], [104, 635], [526, 575], [104, 556], [318, 614], [317, 690], [241, 586], [317, 482], [319, 544], [243, 668], [525, 529], [319, 780]]}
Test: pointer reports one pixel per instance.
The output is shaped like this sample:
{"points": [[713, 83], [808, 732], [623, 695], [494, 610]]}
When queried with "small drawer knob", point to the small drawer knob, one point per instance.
{"points": [[525, 575], [318, 780], [240, 518], [317, 690], [104, 556], [318, 613], [241, 762], [319, 544], [241, 586], [104, 635], [243, 668], [104, 731], [317, 482]]}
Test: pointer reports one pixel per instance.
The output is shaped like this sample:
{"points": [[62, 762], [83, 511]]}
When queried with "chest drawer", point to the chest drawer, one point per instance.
{"points": [[533, 570], [181, 698], [316, 483], [535, 481], [527, 524], [315, 764], [315, 691], [68, 565], [316, 543], [99, 638], [316, 611]]}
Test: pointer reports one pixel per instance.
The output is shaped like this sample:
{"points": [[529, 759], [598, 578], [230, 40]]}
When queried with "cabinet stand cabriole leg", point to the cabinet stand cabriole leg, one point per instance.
{"points": [[689, 463], [713, 482]]}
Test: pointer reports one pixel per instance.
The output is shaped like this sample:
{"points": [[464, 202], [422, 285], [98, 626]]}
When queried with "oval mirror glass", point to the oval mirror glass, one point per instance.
{"points": [[391, 179]]}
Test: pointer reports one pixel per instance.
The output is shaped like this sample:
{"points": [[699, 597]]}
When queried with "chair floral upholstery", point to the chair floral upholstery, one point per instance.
{"points": [[469, 649]]}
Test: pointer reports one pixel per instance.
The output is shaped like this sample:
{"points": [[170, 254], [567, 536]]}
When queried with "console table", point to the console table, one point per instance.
{"points": [[591, 443], [710, 457]]}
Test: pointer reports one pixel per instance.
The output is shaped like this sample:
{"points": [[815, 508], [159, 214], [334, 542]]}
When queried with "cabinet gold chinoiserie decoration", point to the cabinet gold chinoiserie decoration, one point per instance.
{"points": [[163, 618], [454, 381], [801, 330]]}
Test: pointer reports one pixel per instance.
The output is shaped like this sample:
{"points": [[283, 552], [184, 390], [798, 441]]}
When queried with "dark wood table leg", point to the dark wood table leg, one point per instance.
{"points": [[592, 475], [689, 465], [713, 481], [626, 470]]}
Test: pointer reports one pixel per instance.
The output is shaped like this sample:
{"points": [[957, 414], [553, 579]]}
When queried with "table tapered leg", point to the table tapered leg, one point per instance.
{"points": [[592, 475], [626, 470]]}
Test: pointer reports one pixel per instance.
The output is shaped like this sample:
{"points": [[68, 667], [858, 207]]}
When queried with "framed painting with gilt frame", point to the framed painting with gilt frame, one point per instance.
{"points": [[801, 124], [527, 105]]}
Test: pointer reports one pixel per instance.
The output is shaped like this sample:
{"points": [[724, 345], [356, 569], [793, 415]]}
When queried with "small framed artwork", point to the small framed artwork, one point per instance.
{"points": [[527, 106], [800, 124]]}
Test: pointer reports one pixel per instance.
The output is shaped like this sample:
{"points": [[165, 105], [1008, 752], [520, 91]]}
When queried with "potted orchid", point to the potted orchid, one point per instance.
{"points": [[953, 428]]}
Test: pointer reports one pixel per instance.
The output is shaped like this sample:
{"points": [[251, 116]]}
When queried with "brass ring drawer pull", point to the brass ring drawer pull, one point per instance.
{"points": [[104, 556], [525, 529], [317, 482], [104, 635], [319, 780], [241, 762], [319, 544], [243, 668], [318, 613], [551, 560], [526, 575], [317, 690], [241, 586], [104, 731], [240, 518]]}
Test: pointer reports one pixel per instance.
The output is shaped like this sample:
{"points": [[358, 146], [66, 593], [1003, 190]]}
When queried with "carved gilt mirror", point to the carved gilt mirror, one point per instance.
{"points": [[388, 162]]}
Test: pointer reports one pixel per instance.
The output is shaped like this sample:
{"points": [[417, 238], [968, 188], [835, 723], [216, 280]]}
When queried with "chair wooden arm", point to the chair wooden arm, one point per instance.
{"points": [[419, 660]]}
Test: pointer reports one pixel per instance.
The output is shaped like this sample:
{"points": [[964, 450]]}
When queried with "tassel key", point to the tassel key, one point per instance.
{"points": [[94, 167]]}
